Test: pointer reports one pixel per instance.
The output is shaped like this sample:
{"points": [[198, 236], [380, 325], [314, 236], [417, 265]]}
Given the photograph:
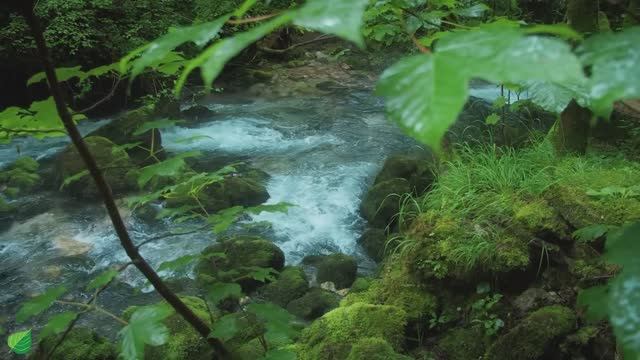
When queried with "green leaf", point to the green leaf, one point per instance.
{"points": [[596, 302], [492, 119], [169, 167], [225, 328], [424, 95], [73, 178], [40, 120], [262, 274], [555, 97], [561, 30], [102, 279], [277, 322], [20, 342], [57, 324], [223, 219], [623, 246], [221, 291], [145, 328], [179, 263], [624, 306], [157, 50], [279, 354], [592, 232], [282, 207], [213, 59], [615, 76], [157, 124], [341, 18], [39, 303], [242, 9], [473, 11], [63, 74]]}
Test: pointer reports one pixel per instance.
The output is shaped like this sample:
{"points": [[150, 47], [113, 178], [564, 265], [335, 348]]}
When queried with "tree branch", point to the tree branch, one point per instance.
{"points": [[118, 224], [103, 100], [294, 46]]}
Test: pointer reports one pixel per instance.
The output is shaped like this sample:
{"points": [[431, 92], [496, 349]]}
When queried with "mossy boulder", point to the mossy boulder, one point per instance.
{"points": [[382, 203], [197, 113], [462, 344], [80, 344], [184, 342], [20, 177], [118, 169], [122, 130], [373, 242], [242, 255], [416, 168], [315, 303], [534, 336], [291, 284], [540, 219], [339, 269], [374, 349], [333, 335], [396, 287], [238, 189], [361, 284]]}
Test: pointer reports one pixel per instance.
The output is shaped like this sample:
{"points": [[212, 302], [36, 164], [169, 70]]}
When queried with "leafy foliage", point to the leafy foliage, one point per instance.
{"points": [[144, 328], [343, 19], [103, 279], [57, 324], [20, 342], [39, 303], [40, 120]]}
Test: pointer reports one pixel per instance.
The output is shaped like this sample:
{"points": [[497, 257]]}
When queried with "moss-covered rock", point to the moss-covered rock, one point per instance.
{"points": [[382, 202], [396, 287], [122, 130], [333, 335], [291, 284], [361, 284], [80, 344], [373, 242], [462, 344], [315, 303], [374, 349], [339, 269], [20, 177], [535, 335], [197, 112], [184, 342], [117, 167], [416, 168], [242, 254], [542, 220]]}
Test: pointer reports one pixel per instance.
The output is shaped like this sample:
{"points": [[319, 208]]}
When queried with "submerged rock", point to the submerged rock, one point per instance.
{"points": [[197, 113], [68, 246], [339, 269], [80, 344], [315, 303], [117, 167], [535, 335], [242, 255], [373, 242]]}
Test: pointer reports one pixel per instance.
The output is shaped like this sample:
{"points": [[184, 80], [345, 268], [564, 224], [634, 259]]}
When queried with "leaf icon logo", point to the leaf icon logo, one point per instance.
{"points": [[20, 342]]}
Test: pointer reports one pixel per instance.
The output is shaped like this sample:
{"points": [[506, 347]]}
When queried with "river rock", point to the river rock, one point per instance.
{"points": [[532, 299], [315, 303], [373, 242], [339, 269], [242, 255], [382, 202], [118, 169], [416, 168], [122, 131], [21, 177], [68, 246], [197, 113], [291, 284]]}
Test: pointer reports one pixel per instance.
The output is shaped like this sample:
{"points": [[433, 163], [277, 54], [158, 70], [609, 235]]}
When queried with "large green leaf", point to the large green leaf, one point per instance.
{"points": [[63, 74], [158, 49], [57, 324], [155, 124], [226, 327], [555, 97], [213, 59], [145, 328], [277, 322], [624, 306], [20, 342], [169, 167], [220, 291], [179, 263], [39, 303], [280, 354], [341, 18], [424, 95], [615, 75], [102, 279], [40, 120]]}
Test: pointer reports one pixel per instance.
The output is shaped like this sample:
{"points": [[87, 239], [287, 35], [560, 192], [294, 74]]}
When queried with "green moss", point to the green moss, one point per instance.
{"points": [[292, 283], [382, 202], [20, 177], [462, 344], [340, 269], [374, 349], [539, 217], [118, 168], [242, 255], [5, 208], [395, 287], [361, 284], [332, 336], [315, 303], [534, 335], [80, 344]]}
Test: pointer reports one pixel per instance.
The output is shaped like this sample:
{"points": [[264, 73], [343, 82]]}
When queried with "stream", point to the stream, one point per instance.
{"points": [[321, 154]]}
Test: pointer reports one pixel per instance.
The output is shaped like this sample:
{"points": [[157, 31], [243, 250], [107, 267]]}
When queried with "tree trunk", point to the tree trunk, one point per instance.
{"points": [[571, 132]]}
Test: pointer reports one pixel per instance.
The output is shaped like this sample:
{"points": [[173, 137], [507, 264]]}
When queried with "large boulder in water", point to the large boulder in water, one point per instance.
{"points": [[242, 255], [339, 269], [118, 169], [123, 130], [416, 168], [291, 284], [373, 242], [382, 203]]}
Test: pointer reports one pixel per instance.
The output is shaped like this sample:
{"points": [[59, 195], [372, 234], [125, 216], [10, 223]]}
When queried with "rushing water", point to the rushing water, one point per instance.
{"points": [[321, 153]]}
